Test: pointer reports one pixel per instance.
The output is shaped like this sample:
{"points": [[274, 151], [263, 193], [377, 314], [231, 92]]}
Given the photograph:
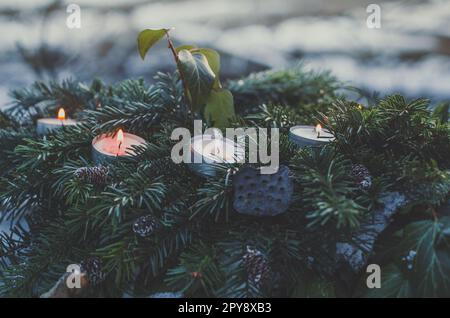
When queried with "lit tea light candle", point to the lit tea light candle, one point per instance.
{"points": [[107, 148], [207, 150], [318, 129], [48, 125], [310, 136]]}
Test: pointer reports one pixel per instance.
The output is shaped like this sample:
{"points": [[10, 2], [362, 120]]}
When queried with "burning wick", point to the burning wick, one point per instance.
{"points": [[111, 146], [217, 149], [61, 114], [217, 140], [119, 140], [318, 130], [47, 125]]}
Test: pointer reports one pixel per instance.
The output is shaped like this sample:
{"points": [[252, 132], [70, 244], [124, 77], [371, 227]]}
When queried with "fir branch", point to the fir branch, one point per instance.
{"points": [[327, 188], [400, 142], [198, 271], [295, 87], [42, 100], [214, 198]]}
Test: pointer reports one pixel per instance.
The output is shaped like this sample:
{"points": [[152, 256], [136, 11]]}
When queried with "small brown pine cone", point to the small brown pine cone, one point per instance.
{"points": [[257, 266], [97, 176]]}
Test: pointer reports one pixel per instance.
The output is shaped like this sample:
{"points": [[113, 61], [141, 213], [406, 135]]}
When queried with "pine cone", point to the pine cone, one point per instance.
{"points": [[362, 176], [145, 225], [92, 266], [97, 176], [257, 267]]}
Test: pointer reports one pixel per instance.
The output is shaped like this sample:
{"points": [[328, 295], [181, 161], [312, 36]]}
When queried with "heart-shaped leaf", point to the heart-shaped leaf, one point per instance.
{"points": [[211, 55], [148, 38], [394, 284], [428, 275], [185, 47], [213, 59], [433, 260], [198, 75], [219, 108]]}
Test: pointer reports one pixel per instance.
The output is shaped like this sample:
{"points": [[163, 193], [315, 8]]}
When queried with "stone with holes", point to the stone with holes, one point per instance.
{"points": [[262, 194]]}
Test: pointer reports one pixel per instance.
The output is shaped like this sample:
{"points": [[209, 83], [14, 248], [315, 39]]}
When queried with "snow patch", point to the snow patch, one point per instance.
{"points": [[356, 254]]}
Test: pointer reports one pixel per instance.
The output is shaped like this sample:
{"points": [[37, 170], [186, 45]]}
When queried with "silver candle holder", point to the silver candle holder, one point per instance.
{"points": [[106, 148], [314, 136], [208, 151], [45, 126]]}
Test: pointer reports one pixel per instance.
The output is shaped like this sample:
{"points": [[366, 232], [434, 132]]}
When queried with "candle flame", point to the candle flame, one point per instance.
{"points": [[61, 114], [120, 136], [217, 149]]}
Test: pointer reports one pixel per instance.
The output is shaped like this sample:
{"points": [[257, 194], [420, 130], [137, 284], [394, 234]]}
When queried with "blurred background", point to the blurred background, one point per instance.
{"points": [[410, 54]]}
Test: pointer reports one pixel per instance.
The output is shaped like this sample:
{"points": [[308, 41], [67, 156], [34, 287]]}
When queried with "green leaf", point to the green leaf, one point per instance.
{"points": [[219, 108], [394, 283], [198, 76], [433, 257], [213, 60], [185, 47], [430, 272], [211, 55], [148, 38]]}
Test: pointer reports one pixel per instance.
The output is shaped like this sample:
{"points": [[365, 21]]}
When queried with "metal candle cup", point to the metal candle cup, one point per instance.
{"points": [[305, 136], [106, 149], [207, 151], [45, 126]]}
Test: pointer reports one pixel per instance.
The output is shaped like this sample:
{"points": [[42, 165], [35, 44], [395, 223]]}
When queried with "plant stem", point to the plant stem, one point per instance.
{"points": [[177, 60]]}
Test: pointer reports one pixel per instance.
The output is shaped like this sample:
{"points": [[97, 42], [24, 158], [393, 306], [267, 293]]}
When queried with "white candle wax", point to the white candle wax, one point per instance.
{"points": [[217, 149], [47, 125], [109, 147], [207, 150], [310, 136]]}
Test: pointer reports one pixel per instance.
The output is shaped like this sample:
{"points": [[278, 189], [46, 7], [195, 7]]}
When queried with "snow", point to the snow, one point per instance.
{"points": [[345, 34], [4, 227], [276, 33], [23, 4], [426, 77], [430, 17], [356, 254]]}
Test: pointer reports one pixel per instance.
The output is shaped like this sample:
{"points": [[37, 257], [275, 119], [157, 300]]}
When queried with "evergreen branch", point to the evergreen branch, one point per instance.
{"points": [[295, 87], [198, 272], [327, 188], [42, 100]]}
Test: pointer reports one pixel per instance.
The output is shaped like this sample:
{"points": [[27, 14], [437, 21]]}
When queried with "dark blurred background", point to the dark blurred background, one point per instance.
{"points": [[410, 54]]}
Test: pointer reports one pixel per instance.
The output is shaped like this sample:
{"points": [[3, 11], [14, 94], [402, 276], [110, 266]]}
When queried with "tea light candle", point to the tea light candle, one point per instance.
{"points": [[310, 136], [207, 150], [107, 148], [48, 125]]}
